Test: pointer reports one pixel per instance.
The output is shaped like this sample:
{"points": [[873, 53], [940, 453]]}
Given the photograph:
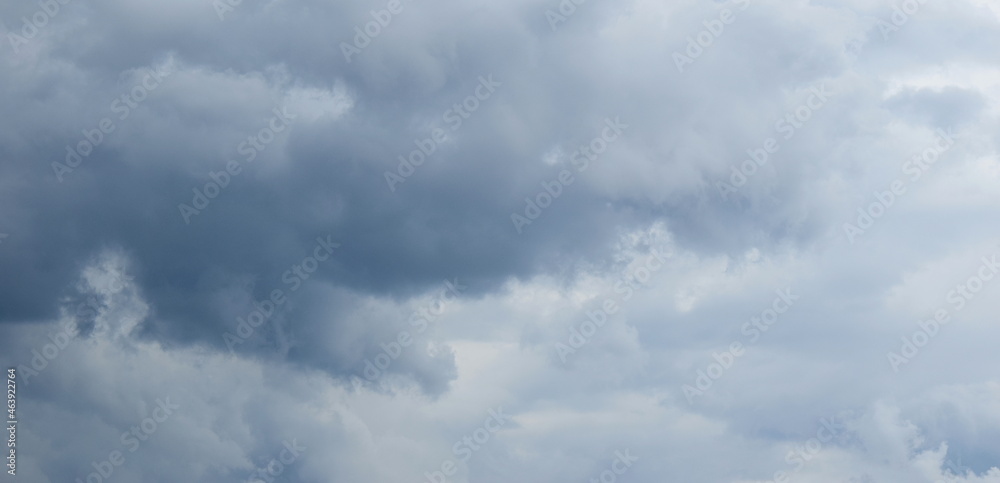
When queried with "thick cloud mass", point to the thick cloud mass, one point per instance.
{"points": [[741, 241]]}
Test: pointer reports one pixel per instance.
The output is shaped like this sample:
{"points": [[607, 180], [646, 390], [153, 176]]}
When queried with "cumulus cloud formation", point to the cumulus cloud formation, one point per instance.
{"points": [[546, 241]]}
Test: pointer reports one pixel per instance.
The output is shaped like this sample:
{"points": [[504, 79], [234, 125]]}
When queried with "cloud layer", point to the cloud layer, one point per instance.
{"points": [[742, 241]]}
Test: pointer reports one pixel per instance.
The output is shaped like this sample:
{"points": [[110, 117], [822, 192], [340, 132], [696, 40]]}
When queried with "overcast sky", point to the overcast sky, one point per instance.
{"points": [[523, 241]]}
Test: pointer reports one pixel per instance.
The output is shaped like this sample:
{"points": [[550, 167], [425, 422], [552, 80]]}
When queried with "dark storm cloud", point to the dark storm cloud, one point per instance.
{"points": [[451, 219]]}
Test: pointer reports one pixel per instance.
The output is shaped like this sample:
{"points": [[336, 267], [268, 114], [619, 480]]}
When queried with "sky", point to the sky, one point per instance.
{"points": [[541, 241]]}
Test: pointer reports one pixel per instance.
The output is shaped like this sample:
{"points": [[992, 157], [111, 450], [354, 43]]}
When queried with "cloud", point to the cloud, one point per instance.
{"points": [[432, 307]]}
